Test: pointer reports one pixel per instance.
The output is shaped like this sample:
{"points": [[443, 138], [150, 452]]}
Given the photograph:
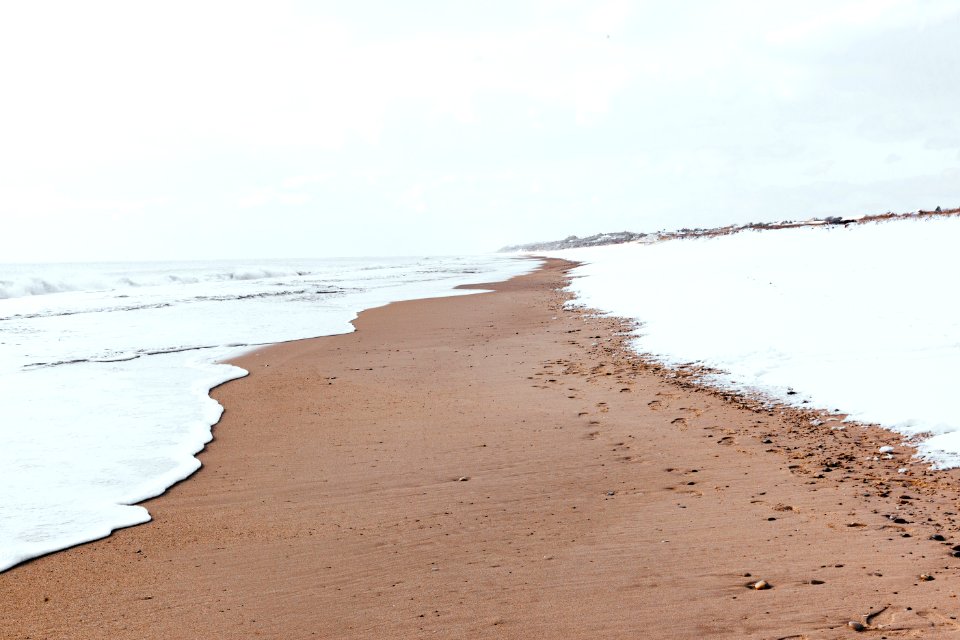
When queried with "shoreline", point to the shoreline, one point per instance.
{"points": [[602, 496]]}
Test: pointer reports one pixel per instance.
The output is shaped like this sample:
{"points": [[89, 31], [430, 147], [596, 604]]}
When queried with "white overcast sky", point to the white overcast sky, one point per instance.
{"points": [[165, 130]]}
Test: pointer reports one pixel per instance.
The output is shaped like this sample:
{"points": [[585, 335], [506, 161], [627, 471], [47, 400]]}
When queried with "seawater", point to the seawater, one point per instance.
{"points": [[105, 371]]}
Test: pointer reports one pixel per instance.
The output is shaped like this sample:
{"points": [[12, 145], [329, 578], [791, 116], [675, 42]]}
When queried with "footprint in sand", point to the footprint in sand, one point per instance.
{"points": [[903, 619]]}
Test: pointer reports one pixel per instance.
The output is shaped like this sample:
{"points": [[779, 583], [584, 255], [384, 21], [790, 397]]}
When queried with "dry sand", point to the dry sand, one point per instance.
{"points": [[495, 466]]}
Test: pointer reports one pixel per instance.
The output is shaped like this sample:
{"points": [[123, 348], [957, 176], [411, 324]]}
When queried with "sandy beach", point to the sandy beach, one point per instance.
{"points": [[499, 466]]}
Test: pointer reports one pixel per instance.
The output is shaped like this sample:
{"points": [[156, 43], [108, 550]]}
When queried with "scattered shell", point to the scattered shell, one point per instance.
{"points": [[926, 577], [463, 478], [885, 449], [759, 585]]}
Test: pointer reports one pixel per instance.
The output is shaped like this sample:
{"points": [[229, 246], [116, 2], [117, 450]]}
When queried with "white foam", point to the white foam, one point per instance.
{"points": [[105, 391], [862, 319]]}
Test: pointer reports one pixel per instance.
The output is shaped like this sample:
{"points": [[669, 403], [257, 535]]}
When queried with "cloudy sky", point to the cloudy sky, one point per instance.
{"points": [[168, 130]]}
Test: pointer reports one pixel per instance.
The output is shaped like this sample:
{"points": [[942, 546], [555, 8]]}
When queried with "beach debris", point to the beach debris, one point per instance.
{"points": [[611, 493], [463, 478], [816, 581], [938, 537], [885, 449], [926, 577], [873, 614], [759, 585], [856, 626]]}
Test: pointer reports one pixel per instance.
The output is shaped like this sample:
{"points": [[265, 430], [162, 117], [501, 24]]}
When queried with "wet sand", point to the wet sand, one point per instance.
{"points": [[496, 466]]}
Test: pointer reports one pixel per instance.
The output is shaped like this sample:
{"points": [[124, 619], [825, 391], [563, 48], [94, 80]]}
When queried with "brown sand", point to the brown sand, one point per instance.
{"points": [[493, 466]]}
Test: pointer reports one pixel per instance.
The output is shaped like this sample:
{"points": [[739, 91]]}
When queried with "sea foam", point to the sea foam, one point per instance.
{"points": [[105, 371]]}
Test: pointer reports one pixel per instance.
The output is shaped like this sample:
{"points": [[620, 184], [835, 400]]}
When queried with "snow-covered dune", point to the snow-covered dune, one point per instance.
{"points": [[864, 319]]}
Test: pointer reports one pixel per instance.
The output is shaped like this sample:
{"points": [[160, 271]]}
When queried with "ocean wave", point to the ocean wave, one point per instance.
{"points": [[34, 287], [19, 285]]}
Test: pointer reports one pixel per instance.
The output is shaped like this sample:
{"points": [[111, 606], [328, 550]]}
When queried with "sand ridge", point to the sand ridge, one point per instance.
{"points": [[499, 466]]}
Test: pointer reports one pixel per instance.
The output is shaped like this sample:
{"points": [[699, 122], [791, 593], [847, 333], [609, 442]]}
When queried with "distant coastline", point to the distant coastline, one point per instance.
{"points": [[621, 237]]}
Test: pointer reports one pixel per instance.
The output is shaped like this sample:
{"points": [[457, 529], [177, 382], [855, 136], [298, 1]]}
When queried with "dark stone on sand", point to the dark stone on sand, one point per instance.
{"points": [[938, 537], [856, 626]]}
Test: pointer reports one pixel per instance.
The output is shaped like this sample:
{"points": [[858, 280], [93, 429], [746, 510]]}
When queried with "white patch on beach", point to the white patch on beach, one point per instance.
{"points": [[863, 318]]}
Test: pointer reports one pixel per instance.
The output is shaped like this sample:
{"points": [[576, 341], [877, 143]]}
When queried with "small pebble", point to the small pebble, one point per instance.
{"points": [[885, 449], [938, 537], [926, 577], [856, 626], [759, 585], [463, 478]]}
